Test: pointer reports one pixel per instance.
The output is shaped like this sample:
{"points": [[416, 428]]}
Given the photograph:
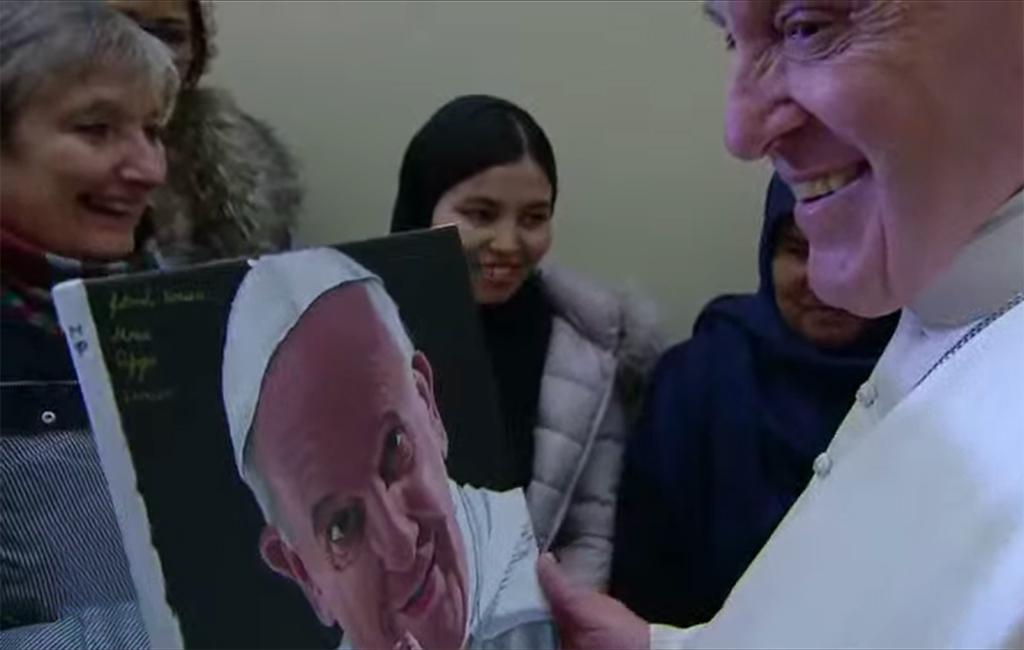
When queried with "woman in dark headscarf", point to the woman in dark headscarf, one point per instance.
{"points": [[567, 356], [735, 419]]}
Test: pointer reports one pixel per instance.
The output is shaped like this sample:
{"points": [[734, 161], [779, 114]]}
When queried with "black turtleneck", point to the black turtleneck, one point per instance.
{"points": [[517, 333]]}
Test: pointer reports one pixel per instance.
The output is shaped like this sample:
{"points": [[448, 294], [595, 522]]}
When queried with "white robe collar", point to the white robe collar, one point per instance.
{"points": [[501, 556], [985, 275]]}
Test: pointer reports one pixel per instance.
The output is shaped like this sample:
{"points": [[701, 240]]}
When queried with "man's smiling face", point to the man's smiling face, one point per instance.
{"points": [[897, 124], [351, 443]]}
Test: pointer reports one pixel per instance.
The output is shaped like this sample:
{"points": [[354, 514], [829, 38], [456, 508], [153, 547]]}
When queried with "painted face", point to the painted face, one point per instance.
{"points": [[81, 162], [822, 325], [504, 219], [167, 20], [351, 442], [897, 124]]}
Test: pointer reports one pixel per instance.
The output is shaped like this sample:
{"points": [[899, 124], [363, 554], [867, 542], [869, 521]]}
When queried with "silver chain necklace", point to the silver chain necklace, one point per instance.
{"points": [[971, 333]]}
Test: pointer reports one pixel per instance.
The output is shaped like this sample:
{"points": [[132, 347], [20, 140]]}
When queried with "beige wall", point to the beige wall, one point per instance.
{"points": [[630, 94]]}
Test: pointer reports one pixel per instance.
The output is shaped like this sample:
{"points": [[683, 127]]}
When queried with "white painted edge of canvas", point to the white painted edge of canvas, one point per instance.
{"points": [[94, 379]]}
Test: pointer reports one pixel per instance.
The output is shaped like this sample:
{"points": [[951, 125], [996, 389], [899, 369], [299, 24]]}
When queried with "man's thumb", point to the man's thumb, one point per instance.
{"points": [[560, 592]]}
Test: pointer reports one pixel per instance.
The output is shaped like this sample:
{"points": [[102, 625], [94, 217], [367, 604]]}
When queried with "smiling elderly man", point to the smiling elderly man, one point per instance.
{"points": [[900, 128]]}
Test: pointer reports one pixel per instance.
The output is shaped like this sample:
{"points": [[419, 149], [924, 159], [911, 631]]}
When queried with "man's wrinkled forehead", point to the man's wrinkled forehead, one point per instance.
{"points": [[338, 351], [756, 16], [329, 385], [724, 13], [341, 321]]}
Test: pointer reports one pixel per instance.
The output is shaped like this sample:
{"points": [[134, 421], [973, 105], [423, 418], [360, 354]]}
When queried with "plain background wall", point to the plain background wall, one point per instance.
{"points": [[631, 94]]}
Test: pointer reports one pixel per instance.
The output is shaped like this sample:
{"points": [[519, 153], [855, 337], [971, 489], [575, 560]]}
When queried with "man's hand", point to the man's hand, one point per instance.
{"points": [[586, 619]]}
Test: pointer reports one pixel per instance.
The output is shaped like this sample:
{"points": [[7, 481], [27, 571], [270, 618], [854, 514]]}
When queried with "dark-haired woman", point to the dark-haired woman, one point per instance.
{"points": [[232, 186], [569, 358]]}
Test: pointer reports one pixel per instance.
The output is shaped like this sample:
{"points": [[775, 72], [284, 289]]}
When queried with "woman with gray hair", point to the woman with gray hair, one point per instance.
{"points": [[84, 96]]}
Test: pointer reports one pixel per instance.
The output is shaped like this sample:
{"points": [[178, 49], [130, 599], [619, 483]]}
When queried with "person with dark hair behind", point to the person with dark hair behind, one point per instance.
{"points": [[734, 422], [232, 185], [569, 358]]}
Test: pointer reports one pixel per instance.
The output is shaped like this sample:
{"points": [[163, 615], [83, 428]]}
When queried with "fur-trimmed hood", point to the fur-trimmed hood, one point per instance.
{"points": [[232, 187]]}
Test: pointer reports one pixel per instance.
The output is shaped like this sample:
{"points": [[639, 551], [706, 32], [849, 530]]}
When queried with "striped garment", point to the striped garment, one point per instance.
{"points": [[64, 580]]}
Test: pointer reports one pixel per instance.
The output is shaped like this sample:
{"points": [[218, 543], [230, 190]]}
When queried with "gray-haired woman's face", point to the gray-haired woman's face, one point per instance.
{"points": [[81, 161]]}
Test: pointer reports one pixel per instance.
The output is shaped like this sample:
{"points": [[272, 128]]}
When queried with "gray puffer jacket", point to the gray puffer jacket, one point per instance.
{"points": [[602, 348], [232, 187]]}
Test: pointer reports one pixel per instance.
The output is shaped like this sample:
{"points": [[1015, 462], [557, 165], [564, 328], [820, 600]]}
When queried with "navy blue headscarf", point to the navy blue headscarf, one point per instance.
{"points": [[734, 420]]}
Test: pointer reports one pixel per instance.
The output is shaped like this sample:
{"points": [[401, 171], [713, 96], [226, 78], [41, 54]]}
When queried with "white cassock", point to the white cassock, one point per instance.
{"points": [[507, 609], [911, 533], [505, 605]]}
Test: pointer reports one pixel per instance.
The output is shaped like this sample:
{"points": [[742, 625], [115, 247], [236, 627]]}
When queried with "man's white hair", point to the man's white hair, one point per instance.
{"points": [[272, 298]]}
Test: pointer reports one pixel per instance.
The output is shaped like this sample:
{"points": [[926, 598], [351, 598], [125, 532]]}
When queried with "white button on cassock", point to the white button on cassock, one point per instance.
{"points": [[867, 394], [822, 465]]}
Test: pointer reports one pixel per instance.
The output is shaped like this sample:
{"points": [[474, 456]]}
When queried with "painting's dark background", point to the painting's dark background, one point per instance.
{"points": [[204, 523]]}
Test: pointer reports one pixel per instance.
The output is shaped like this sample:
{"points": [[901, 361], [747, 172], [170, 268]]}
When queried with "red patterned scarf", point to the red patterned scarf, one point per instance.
{"points": [[28, 273]]}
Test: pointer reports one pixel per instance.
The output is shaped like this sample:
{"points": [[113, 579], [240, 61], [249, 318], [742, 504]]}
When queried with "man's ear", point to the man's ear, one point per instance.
{"points": [[424, 377], [284, 561]]}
